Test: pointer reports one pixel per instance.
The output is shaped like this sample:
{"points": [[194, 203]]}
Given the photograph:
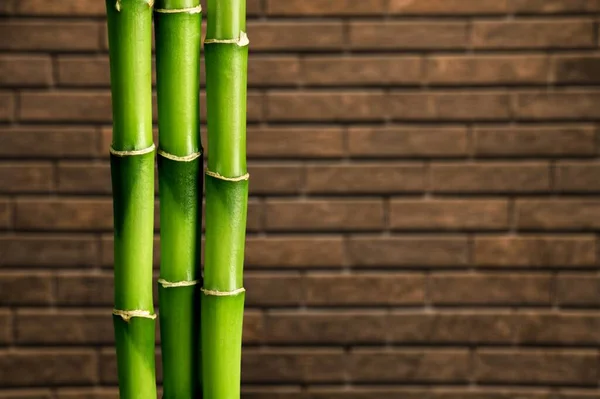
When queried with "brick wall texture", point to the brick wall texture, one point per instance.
{"points": [[424, 207]]}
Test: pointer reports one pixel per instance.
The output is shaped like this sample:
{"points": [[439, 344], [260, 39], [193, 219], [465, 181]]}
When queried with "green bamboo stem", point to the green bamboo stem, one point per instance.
{"points": [[178, 27], [226, 187], [132, 170]]}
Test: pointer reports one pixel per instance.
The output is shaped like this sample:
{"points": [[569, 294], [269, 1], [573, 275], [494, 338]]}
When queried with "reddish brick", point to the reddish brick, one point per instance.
{"points": [[273, 289], [25, 289], [365, 289], [408, 35], [557, 328], [65, 106], [84, 178], [487, 70], [324, 7], [537, 366], [412, 365], [577, 176], [7, 107], [64, 7], [273, 71], [48, 250], [6, 327], [428, 251], [76, 288], [407, 142], [326, 106], [48, 142], [64, 214], [535, 251], [575, 105], [433, 7], [83, 71], [489, 214], [297, 142], [560, 214], [26, 177], [285, 35], [324, 215], [276, 178], [490, 289], [490, 177], [49, 35], [25, 70], [358, 71], [525, 141], [553, 6], [365, 178], [573, 69], [578, 289], [567, 33], [294, 252]]}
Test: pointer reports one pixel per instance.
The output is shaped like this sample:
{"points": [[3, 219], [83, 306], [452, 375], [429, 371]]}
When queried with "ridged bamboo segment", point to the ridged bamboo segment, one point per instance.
{"points": [[178, 36], [226, 57], [132, 170]]}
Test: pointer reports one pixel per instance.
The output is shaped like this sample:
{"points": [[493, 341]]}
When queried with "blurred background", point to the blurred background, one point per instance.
{"points": [[423, 213]]}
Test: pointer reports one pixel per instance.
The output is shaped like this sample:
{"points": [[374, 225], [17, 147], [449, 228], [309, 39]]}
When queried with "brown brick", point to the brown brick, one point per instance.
{"points": [[84, 178], [576, 105], [254, 327], [254, 7], [408, 35], [432, 7], [276, 178], [26, 177], [64, 214], [64, 7], [83, 71], [6, 327], [48, 250], [553, 6], [273, 289], [324, 215], [25, 393], [254, 220], [412, 365], [296, 142], [25, 70], [292, 365], [7, 107], [294, 252], [274, 71], [47, 367], [48, 142], [487, 70], [576, 69], [449, 214], [490, 177], [326, 106], [339, 327], [537, 366], [556, 328], [88, 393], [451, 327], [25, 289], [65, 106], [407, 251], [324, 7], [579, 394], [578, 289], [285, 35], [490, 289], [577, 176], [272, 392], [407, 142], [6, 214], [560, 214], [76, 288], [49, 35], [384, 392], [69, 327], [525, 141], [535, 251], [363, 70], [365, 289], [450, 106], [567, 33]]}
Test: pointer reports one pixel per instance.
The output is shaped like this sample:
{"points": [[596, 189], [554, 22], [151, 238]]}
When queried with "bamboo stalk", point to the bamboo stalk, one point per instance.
{"points": [[226, 187], [132, 171], [178, 35]]}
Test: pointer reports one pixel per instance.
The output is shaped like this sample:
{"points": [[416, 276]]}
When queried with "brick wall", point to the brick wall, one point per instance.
{"points": [[424, 200]]}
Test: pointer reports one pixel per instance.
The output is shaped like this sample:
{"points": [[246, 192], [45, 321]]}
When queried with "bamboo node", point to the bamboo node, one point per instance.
{"points": [[222, 293], [171, 284], [172, 157], [240, 41], [118, 5], [143, 151], [150, 3], [221, 177], [188, 10], [129, 314]]}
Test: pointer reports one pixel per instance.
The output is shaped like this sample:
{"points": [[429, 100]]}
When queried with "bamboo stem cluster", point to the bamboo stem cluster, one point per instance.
{"points": [[201, 325]]}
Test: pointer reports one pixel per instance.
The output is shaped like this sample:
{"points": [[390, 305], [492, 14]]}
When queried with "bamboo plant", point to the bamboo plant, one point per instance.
{"points": [[132, 170], [226, 190], [178, 36]]}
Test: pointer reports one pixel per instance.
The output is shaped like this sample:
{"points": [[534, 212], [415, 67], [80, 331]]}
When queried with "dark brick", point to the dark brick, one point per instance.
{"points": [[560, 214], [297, 142], [84, 178], [578, 289], [268, 36], [7, 106], [553, 6], [49, 35], [577, 176], [273, 289], [83, 71], [48, 142], [26, 177], [48, 250], [25, 70], [6, 215], [450, 7], [65, 7], [25, 288], [573, 69], [294, 252], [274, 71], [557, 328], [408, 35], [65, 106], [571, 104], [76, 288], [64, 214], [25, 393], [276, 178], [6, 327], [324, 7], [88, 393]]}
